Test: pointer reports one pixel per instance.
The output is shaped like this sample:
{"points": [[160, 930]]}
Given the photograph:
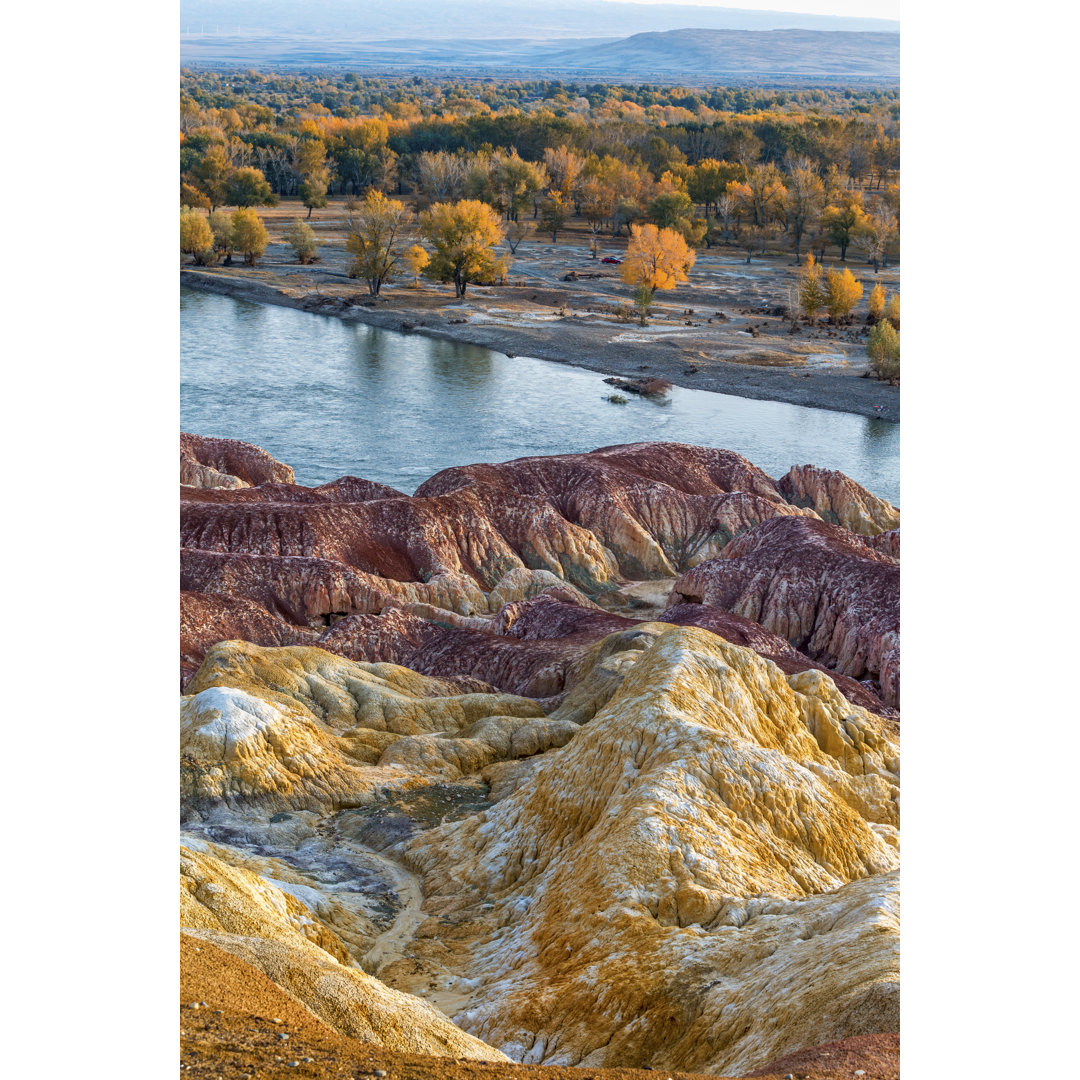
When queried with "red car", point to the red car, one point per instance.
{"points": [[612, 259]]}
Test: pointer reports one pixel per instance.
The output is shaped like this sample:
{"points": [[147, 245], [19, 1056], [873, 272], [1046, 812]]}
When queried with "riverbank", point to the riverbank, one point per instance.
{"points": [[545, 321]]}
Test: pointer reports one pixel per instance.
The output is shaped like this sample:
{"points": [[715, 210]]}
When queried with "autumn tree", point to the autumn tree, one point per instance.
{"points": [[875, 303], [514, 182], [883, 349], [811, 288], [564, 168], [248, 187], [655, 259], [415, 259], [805, 200], [597, 202], [842, 293], [249, 235], [464, 236], [707, 181], [221, 226], [841, 220], [211, 175], [892, 310], [374, 225], [675, 210], [762, 195], [301, 238], [554, 214], [192, 196], [195, 234]]}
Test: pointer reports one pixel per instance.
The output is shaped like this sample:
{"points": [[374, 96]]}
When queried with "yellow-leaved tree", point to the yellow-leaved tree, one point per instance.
{"points": [[875, 304], [374, 225], [195, 234], [655, 259], [415, 259], [464, 235], [249, 235], [842, 293], [811, 289]]}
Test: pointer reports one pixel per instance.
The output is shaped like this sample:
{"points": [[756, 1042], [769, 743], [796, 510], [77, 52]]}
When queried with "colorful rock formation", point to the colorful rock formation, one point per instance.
{"points": [[827, 591], [228, 463], [702, 877], [836, 498], [457, 781]]}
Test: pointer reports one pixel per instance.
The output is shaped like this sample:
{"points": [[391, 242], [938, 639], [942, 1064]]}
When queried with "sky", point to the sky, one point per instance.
{"points": [[867, 9]]}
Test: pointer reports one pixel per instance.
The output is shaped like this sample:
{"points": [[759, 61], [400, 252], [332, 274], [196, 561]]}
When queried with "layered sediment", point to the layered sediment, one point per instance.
{"points": [[457, 781]]}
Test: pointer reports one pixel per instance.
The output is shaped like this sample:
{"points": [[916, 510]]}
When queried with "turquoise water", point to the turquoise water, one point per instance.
{"points": [[333, 399]]}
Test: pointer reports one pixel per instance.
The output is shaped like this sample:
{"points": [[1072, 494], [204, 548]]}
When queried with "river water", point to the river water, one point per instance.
{"points": [[341, 399]]}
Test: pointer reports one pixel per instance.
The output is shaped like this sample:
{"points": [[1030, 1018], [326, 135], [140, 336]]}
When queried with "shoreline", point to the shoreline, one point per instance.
{"points": [[811, 389]]}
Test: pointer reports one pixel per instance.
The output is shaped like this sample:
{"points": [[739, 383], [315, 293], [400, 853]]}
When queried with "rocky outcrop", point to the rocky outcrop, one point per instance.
{"points": [[473, 539], [702, 879], [828, 592], [301, 729], [228, 463], [838, 499], [658, 507]]}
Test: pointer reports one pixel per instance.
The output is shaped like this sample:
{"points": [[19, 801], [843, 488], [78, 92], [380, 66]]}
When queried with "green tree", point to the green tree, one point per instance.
{"points": [[841, 220], [249, 235], [464, 236], [248, 187], [883, 349], [313, 191], [811, 288], [222, 227], [554, 213]]}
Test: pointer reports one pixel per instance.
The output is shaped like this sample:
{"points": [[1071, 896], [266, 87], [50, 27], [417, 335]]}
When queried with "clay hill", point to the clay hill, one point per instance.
{"points": [[589, 762]]}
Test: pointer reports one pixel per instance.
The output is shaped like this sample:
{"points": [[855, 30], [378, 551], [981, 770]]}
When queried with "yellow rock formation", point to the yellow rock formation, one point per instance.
{"points": [[242, 913], [690, 864]]}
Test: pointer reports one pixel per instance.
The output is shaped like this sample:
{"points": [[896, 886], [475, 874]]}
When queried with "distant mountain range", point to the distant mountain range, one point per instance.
{"points": [[708, 56], [379, 20], [702, 52]]}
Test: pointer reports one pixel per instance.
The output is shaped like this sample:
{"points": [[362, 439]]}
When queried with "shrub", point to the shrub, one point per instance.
{"points": [[892, 310], [883, 348], [301, 238]]}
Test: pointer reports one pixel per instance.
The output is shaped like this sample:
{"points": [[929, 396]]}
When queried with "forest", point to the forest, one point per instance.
{"points": [[812, 169]]}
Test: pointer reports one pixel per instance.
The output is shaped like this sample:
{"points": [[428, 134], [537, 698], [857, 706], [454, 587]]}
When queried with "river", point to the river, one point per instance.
{"points": [[333, 399]]}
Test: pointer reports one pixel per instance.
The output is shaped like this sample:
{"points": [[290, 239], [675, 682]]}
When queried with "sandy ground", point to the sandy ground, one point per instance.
{"points": [[236, 1032], [719, 332]]}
